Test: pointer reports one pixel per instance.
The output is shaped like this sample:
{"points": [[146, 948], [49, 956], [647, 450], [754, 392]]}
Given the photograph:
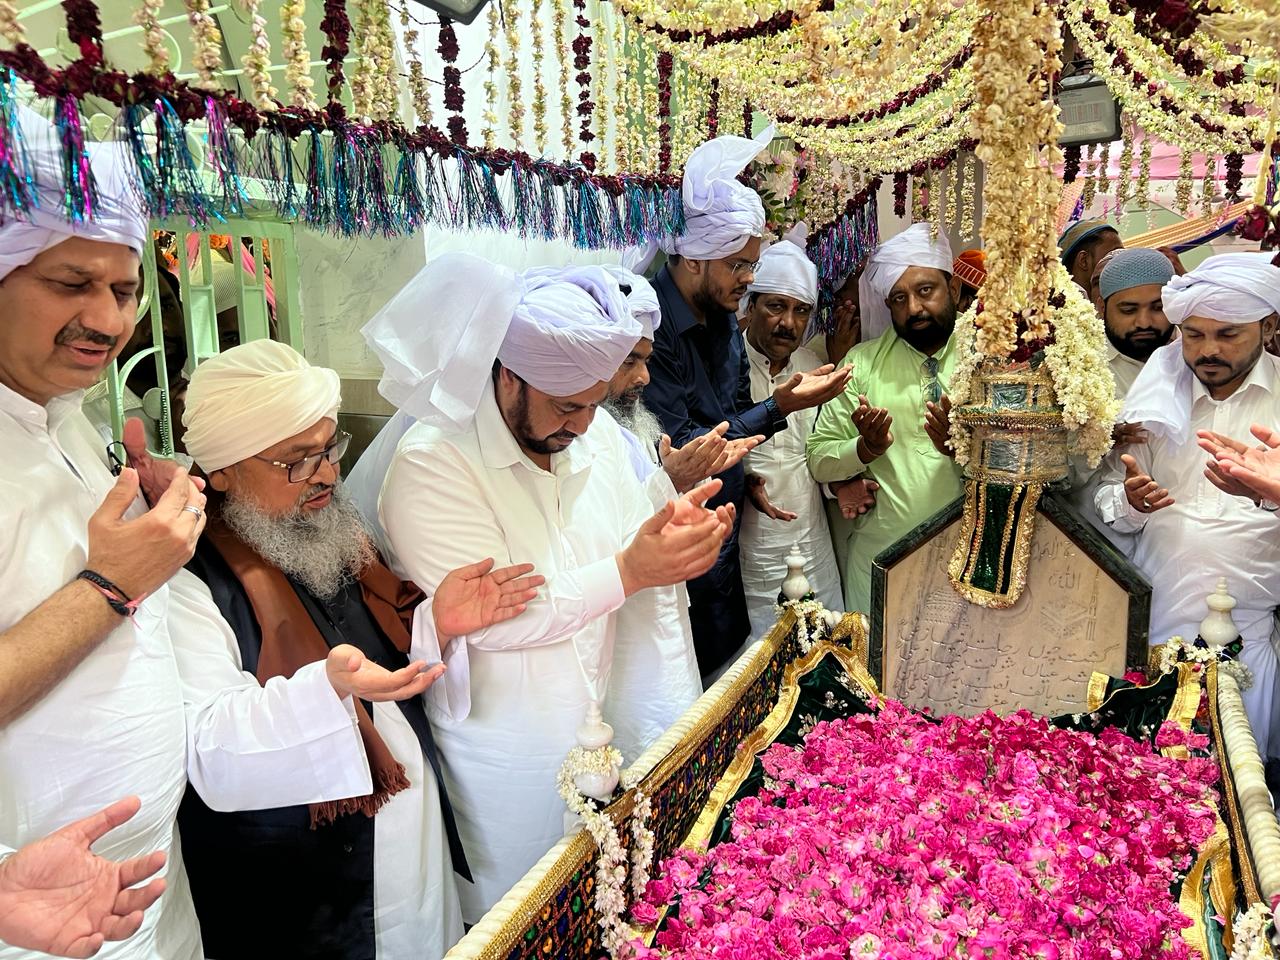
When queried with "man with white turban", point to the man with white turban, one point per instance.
{"points": [[787, 505], [1190, 532], [291, 567], [876, 429], [699, 370], [510, 456], [113, 684]]}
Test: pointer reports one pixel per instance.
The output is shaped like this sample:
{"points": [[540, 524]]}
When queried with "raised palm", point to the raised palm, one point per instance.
{"points": [[58, 896], [476, 596], [1255, 468]]}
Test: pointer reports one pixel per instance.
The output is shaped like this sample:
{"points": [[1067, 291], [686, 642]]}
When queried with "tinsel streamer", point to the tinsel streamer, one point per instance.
{"points": [[634, 220], [674, 221], [349, 217], [583, 222], [548, 202], [1103, 180], [582, 63], [378, 214], [479, 204], [713, 109], [15, 168], [900, 194], [435, 197], [523, 209], [747, 116], [318, 207], [280, 170], [221, 156], [616, 228], [132, 118], [1090, 178], [79, 192], [179, 187], [664, 112]]}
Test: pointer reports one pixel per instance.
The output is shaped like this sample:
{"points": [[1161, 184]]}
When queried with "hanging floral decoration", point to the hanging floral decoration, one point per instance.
{"points": [[454, 98], [256, 60], [11, 27], [147, 17], [665, 61], [297, 58], [514, 85], [713, 109], [582, 63], [560, 36], [418, 88], [539, 79]]}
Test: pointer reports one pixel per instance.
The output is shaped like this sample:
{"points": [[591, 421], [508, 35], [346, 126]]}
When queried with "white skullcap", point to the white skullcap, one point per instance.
{"points": [[250, 398], [117, 216], [914, 247], [641, 297], [1228, 288], [786, 269]]}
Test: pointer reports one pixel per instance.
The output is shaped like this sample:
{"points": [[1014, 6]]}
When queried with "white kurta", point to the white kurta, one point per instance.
{"points": [[1084, 481], [1206, 534], [764, 542], [155, 703], [506, 711]]}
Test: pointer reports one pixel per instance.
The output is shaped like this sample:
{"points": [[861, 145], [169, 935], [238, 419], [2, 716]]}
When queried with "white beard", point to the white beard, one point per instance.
{"points": [[636, 417], [324, 550]]}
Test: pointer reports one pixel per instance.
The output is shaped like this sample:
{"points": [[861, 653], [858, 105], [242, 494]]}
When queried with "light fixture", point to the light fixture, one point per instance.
{"points": [[1088, 111], [463, 11]]}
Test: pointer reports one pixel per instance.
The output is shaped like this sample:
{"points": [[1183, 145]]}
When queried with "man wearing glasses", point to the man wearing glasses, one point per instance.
{"points": [[292, 568], [699, 375]]}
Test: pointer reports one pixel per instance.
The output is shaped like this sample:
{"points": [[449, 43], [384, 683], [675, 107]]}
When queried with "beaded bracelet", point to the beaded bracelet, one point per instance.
{"points": [[116, 598]]}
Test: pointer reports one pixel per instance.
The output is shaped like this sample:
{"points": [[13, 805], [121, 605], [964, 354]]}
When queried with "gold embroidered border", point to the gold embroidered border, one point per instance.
{"points": [[1097, 691], [961, 568], [1191, 902]]}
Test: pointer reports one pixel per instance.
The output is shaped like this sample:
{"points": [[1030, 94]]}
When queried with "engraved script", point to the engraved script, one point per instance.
{"points": [[951, 656]]}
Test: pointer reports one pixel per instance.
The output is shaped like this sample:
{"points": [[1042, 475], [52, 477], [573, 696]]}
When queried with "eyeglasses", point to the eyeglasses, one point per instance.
{"points": [[743, 267], [300, 471]]}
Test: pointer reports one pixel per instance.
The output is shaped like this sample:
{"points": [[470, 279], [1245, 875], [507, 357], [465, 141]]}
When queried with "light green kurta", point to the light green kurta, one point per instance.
{"points": [[915, 480]]}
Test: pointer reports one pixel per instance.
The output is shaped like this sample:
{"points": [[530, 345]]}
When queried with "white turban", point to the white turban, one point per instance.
{"points": [[641, 297], [250, 398], [720, 214], [1228, 288], [786, 269], [117, 217], [914, 247]]}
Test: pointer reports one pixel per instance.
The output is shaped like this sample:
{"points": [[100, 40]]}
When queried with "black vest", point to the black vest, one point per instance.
{"points": [[265, 884]]}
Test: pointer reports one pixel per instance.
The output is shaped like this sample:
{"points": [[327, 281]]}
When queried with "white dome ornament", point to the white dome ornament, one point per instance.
{"points": [[796, 585], [1218, 629], [594, 736]]}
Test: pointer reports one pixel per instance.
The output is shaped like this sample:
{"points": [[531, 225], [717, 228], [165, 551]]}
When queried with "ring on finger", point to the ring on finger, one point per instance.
{"points": [[1146, 504], [195, 510]]}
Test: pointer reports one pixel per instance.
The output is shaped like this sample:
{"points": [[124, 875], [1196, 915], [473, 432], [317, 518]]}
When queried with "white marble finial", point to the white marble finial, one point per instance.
{"points": [[1218, 629], [796, 585], [595, 734]]}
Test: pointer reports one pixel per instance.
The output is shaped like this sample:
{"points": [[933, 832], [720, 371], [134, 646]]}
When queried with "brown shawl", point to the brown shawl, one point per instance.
{"points": [[290, 641]]}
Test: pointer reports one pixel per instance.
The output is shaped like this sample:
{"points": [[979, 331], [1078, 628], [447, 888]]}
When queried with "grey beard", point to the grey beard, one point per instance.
{"points": [[324, 550], [636, 417]]}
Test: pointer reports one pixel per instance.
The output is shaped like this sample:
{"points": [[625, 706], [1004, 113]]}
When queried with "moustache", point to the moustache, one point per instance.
{"points": [[781, 333], [1211, 362], [75, 332], [315, 490]]}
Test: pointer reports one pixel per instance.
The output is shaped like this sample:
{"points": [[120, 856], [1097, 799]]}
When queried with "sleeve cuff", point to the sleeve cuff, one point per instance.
{"points": [[316, 704], [601, 587], [449, 698]]}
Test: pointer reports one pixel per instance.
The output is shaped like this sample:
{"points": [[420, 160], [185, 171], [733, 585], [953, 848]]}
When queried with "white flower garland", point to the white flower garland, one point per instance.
{"points": [[1176, 650], [611, 858], [10, 26], [811, 624], [147, 17], [297, 59], [1250, 931], [418, 88], [206, 42], [256, 60]]}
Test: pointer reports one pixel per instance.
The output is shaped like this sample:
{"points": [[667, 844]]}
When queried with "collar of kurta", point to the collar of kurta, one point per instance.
{"points": [[1261, 377], [675, 310], [499, 450], [760, 361], [45, 418], [1113, 355]]}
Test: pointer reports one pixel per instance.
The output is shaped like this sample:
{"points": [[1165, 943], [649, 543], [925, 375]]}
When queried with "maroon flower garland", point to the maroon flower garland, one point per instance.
{"points": [[454, 96], [582, 63], [1070, 163], [748, 114], [713, 109], [665, 64], [780, 22], [337, 31], [900, 194]]}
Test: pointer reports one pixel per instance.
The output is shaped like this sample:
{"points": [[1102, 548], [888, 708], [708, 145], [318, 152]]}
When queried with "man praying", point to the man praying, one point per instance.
{"points": [[786, 506], [1190, 532], [876, 429], [288, 560], [506, 455], [699, 371], [1083, 244]]}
